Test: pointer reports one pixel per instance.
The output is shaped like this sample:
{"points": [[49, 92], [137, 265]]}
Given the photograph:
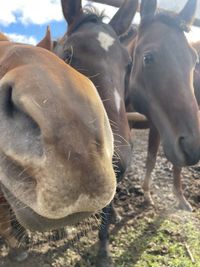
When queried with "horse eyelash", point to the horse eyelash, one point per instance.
{"points": [[68, 60]]}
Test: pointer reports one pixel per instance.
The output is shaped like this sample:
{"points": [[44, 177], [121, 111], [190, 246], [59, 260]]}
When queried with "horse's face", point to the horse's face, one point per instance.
{"points": [[56, 145], [196, 46], [95, 51], [93, 48], [161, 83], [197, 83]]}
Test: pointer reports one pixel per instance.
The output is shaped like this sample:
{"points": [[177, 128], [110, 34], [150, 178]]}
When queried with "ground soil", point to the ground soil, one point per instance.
{"points": [[78, 247]]}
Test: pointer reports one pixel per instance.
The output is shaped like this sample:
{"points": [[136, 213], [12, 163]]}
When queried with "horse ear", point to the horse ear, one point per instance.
{"points": [[46, 41], [148, 8], [71, 9], [124, 16], [187, 14], [3, 37]]}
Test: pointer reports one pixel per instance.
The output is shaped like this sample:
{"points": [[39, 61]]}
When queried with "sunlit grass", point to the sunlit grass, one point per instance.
{"points": [[163, 241]]}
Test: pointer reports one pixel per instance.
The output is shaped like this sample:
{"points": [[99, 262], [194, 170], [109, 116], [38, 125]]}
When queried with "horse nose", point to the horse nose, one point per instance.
{"points": [[190, 149]]}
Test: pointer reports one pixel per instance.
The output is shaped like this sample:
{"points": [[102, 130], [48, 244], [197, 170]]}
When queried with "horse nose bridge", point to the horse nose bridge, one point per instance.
{"points": [[189, 125], [182, 117]]}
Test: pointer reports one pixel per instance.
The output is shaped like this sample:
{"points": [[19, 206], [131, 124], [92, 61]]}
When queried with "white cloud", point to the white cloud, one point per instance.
{"points": [[194, 34], [18, 38], [44, 11], [30, 11], [176, 5]]}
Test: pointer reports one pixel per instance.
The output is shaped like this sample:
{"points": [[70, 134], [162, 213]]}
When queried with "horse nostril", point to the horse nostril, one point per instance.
{"points": [[18, 125], [189, 150], [6, 102]]}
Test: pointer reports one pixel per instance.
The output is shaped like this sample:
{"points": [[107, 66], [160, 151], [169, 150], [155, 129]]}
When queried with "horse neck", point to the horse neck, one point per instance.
{"points": [[196, 46]]}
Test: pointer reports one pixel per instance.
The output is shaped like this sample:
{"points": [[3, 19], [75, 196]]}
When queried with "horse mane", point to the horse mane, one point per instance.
{"points": [[92, 10], [167, 18], [3, 37], [90, 14], [196, 46]]}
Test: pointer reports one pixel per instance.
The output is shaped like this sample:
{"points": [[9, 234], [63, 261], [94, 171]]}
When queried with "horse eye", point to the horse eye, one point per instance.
{"points": [[68, 54], [148, 59]]}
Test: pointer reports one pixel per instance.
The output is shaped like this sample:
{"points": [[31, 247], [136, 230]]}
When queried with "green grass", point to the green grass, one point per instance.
{"points": [[152, 240], [162, 241]]}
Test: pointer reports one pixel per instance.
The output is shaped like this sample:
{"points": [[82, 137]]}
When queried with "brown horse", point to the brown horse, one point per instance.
{"points": [[196, 46], [161, 88], [154, 141], [56, 144], [93, 48]]}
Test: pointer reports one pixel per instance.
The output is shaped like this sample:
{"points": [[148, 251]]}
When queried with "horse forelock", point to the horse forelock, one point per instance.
{"points": [[90, 14]]}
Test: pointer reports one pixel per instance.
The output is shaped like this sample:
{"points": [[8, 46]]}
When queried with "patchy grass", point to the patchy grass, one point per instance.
{"points": [[166, 240], [162, 239]]}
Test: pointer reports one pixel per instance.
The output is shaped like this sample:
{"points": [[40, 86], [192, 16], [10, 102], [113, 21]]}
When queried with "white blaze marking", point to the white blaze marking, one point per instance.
{"points": [[106, 41], [117, 100]]}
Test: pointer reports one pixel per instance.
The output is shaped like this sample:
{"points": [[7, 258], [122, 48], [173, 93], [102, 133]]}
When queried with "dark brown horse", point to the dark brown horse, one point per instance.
{"points": [[94, 49], [196, 46], [154, 138], [56, 144], [161, 85], [154, 141]]}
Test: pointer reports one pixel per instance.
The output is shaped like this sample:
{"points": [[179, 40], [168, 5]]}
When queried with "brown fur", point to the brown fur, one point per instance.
{"points": [[174, 106], [196, 46], [107, 68], [56, 140], [159, 99]]}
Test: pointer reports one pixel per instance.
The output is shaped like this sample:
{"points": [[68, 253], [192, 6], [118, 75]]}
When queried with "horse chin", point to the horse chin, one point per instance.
{"points": [[177, 156], [35, 222], [174, 154], [29, 219]]}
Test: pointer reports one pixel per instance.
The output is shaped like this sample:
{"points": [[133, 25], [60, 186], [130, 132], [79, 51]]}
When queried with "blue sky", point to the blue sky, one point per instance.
{"points": [[34, 32], [26, 20]]}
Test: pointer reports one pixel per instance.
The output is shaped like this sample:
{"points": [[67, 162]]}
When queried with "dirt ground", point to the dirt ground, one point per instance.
{"points": [[78, 247]]}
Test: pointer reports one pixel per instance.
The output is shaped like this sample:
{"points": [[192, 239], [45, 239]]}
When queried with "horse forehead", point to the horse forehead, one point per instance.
{"points": [[104, 37], [160, 32], [105, 40], [161, 37]]}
